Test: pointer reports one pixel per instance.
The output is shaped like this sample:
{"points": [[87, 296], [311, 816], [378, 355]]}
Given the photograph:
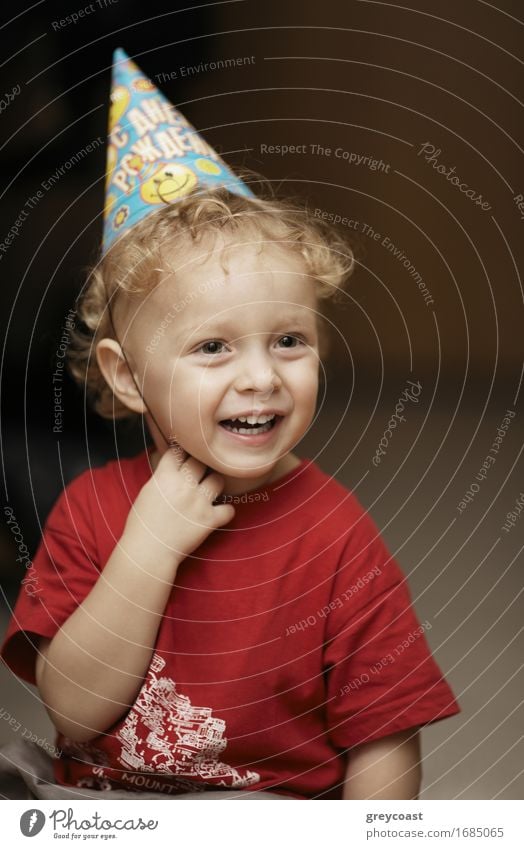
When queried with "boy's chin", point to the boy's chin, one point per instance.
{"points": [[242, 472]]}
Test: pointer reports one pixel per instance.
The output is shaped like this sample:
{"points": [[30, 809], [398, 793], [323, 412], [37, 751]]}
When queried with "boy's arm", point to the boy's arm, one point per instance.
{"points": [[388, 768], [94, 666]]}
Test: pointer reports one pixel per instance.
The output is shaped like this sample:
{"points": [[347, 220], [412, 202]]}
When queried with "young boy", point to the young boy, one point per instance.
{"points": [[217, 612]]}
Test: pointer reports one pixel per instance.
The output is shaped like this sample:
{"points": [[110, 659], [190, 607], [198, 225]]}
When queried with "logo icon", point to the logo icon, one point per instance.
{"points": [[32, 822]]}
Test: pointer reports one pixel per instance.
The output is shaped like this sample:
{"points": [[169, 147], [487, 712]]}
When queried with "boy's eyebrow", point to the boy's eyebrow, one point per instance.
{"points": [[300, 318]]}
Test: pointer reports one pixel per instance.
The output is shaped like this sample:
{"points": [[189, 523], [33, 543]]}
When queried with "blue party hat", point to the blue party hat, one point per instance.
{"points": [[154, 155]]}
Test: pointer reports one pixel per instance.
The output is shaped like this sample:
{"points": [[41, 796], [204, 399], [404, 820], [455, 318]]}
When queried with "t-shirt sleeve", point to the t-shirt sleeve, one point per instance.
{"points": [[381, 675], [63, 571]]}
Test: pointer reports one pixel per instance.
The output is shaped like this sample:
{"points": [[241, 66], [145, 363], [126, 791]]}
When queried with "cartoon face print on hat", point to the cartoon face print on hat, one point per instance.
{"points": [[143, 84], [154, 154], [167, 183], [207, 166]]}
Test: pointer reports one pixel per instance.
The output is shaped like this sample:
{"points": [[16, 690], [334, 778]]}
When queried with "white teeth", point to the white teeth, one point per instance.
{"points": [[249, 431], [260, 424], [256, 419], [261, 429]]}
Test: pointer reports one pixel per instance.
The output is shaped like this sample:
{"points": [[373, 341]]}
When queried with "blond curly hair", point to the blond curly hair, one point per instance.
{"points": [[133, 265]]}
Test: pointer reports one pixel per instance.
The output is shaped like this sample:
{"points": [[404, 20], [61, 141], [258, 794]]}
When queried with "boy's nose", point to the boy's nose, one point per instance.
{"points": [[257, 377]]}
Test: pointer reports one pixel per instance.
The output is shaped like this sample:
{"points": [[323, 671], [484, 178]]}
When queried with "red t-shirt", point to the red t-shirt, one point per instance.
{"points": [[289, 636]]}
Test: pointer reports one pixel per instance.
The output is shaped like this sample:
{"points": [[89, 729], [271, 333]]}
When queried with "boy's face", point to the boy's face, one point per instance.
{"points": [[210, 344]]}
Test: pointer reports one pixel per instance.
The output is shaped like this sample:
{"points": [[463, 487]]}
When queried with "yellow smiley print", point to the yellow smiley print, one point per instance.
{"points": [[120, 98], [143, 85], [167, 183], [207, 166]]}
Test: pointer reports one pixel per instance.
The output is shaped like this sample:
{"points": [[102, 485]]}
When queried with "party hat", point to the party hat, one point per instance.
{"points": [[154, 155]]}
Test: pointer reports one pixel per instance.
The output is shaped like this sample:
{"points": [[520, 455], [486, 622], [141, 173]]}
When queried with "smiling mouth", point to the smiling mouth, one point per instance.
{"points": [[236, 426]]}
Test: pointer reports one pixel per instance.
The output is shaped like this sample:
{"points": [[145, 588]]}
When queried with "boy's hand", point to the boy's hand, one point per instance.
{"points": [[174, 509]]}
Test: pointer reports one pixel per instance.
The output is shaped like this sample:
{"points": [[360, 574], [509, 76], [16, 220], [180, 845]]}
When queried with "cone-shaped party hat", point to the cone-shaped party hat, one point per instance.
{"points": [[154, 155]]}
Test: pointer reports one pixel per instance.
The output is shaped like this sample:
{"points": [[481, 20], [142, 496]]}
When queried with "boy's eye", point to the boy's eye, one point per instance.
{"points": [[212, 342], [288, 336], [215, 344]]}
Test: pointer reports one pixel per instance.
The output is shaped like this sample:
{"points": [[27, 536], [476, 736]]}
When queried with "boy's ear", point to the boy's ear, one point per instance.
{"points": [[117, 375]]}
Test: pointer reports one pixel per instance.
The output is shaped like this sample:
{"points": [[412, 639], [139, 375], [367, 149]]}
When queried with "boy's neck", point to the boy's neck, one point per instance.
{"points": [[237, 486]]}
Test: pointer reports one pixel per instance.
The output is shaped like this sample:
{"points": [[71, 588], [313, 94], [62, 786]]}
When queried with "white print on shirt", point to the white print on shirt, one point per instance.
{"points": [[164, 733], [85, 753]]}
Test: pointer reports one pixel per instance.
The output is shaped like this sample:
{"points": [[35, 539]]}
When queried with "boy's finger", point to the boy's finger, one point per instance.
{"points": [[212, 484], [177, 451], [183, 458], [196, 468]]}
